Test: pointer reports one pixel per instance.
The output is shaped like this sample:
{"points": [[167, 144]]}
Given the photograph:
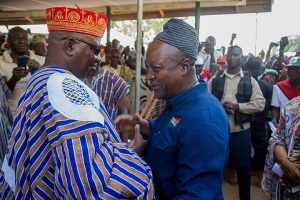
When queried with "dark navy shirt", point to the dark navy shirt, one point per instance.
{"points": [[188, 146]]}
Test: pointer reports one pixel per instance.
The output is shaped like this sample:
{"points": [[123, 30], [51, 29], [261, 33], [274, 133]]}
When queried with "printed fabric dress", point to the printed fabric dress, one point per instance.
{"points": [[288, 135], [64, 146]]}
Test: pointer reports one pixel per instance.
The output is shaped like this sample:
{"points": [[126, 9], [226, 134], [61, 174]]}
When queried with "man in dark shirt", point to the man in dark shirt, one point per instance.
{"points": [[188, 143], [258, 124]]}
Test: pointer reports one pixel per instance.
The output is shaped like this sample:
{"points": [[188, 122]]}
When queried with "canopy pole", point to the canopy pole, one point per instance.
{"points": [[197, 17], [139, 44], [108, 14]]}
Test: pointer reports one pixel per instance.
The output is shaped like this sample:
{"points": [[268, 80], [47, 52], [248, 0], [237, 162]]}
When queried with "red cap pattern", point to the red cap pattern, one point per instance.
{"points": [[76, 20]]}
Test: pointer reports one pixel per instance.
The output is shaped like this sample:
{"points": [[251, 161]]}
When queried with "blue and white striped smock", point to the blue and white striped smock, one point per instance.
{"points": [[64, 146]]}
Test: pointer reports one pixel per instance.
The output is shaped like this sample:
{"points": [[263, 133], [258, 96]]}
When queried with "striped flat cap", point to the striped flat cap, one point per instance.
{"points": [[181, 35]]}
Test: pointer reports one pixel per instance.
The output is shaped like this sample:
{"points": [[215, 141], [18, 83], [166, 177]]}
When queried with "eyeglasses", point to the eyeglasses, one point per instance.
{"points": [[94, 48]]}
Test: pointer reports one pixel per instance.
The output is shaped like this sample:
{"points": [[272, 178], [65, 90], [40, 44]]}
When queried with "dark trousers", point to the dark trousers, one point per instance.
{"points": [[260, 144], [239, 159]]}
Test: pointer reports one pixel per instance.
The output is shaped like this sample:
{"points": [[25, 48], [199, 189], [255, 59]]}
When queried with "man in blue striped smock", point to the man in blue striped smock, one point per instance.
{"points": [[63, 144]]}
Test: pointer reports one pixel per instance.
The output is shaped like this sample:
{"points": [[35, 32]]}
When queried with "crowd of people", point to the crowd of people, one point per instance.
{"points": [[68, 127]]}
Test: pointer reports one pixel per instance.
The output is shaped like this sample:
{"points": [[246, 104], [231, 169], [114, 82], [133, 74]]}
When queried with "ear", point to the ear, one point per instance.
{"points": [[186, 66], [69, 47]]}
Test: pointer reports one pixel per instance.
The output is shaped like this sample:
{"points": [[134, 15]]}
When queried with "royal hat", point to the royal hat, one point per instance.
{"points": [[76, 20]]}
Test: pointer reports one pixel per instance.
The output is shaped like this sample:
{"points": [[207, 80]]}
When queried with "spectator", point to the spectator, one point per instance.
{"points": [[113, 91], [241, 96], [286, 90], [270, 76], [259, 122], [124, 55], [39, 45], [129, 75], [114, 66], [209, 56], [115, 44], [199, 67], [17, 76]]}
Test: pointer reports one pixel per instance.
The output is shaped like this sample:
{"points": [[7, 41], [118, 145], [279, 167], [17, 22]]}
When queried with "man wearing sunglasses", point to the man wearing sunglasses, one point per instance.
{"points": [[63, 144]]}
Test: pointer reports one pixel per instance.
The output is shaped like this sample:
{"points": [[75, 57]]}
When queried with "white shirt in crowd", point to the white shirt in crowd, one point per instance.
{"points": [[206, 57], [279, 99], [6, 69]]}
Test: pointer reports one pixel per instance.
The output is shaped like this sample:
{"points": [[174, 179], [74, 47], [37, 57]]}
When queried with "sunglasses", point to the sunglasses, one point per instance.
{"points": [[96, 49]]}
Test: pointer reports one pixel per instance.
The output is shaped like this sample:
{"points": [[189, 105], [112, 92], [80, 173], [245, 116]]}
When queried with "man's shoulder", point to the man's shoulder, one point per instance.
{"points": [[6, 60], [40, 59], [253, 80], [284, 82], [43, 75], [202, 105], [264, 84]]}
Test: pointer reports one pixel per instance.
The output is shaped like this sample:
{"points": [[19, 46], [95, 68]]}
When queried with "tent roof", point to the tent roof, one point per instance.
{"points": [[16, 12]]}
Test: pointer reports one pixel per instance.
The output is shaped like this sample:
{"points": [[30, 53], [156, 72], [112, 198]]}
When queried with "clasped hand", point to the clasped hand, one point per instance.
{"points": [[230, 107], [129, 129]]}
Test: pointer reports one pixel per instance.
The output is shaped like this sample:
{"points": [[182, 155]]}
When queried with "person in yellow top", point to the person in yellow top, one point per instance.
{"points": [[114, 62]]}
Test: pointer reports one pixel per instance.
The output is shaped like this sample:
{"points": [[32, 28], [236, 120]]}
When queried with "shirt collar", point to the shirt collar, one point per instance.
{"points": [[240, 73], [184, 97]]}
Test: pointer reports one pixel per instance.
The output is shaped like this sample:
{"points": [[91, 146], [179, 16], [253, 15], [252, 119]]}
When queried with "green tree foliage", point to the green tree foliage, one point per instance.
{"points": [[126, 27], [151, 27], [294, 44]]}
